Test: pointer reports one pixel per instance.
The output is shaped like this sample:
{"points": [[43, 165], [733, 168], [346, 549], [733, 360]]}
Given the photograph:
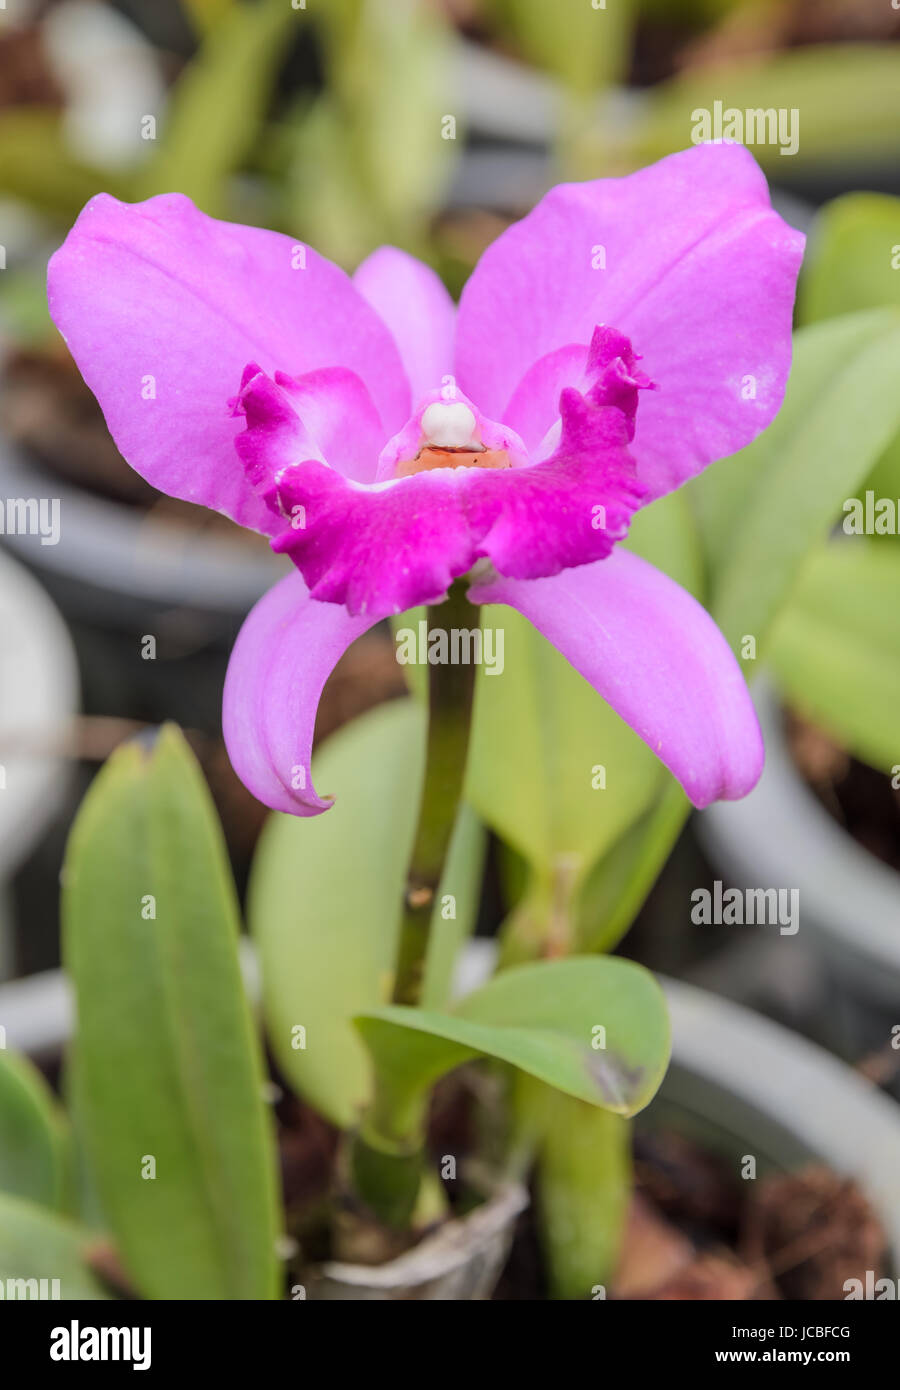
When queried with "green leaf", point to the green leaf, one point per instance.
{"points": [[585, 47], [767, 506], [540, 731], [87, 1206], [37, 166], [849, 262], [836, 647], [324, 901], [219, 102], [170, 1072], [595, 1028], [618, 885], [849, 266], [370, 159], [23, 307], [666, 534], [822, 82], [206, 14], [461, 880], [37, 1244], [325, 898], [33, 1139], [582, 1160]]}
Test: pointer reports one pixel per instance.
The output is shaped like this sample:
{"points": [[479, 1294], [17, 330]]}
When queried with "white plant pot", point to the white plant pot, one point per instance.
{"points": [[38, 697], [780, 836], [749, 1085]]}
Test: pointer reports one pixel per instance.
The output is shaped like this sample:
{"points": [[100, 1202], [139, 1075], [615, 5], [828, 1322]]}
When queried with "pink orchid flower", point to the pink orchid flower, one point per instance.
{"points": [[388, 442]]}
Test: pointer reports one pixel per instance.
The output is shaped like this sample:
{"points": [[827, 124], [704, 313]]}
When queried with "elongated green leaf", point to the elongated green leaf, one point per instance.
{"points": [[33, 1140], [836, 647], [456, 907], [372, 155], [618, 885], [585, 46], [36, 1244], [325, 898], [219, 102], [770, 504], [87, 1206], [543, 743], [553, 769], [324, 902], [666, 534], [821, 82], [850, 257], [170, 1074], [37, 166], [583, 1180], [850, 265], [206, 14], [594, 1028]]}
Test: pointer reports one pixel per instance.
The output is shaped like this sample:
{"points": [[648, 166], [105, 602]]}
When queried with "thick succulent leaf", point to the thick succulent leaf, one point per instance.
{"points": [[582, 1158], [554, 771], [36, 1244], [596, 1028], [456, 907], [33, 1136], [169, 1067], [850, 258], [836, 647], [219, 100], [324, 905], [822, 82], [764, 510], [325, 899], [618, 885]]}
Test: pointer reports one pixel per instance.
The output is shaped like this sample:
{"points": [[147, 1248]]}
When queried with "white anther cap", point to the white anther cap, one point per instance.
{"points": [[449, 425]]}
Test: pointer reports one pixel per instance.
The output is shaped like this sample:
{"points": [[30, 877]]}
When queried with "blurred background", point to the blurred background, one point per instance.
{"points": [[432, 126]]}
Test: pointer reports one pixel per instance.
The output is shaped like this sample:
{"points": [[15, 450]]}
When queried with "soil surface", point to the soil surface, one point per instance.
{"points": [[696, 1231]]}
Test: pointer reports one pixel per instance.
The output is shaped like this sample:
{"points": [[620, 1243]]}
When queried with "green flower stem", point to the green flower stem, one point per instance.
{"points": [[387, 1153], [451, 688]]}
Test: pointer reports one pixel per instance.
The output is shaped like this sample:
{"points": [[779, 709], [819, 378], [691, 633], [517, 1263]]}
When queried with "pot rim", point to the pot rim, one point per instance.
{"points": [[740, 1058], [113, 548], [780, 836], [40, 695]]}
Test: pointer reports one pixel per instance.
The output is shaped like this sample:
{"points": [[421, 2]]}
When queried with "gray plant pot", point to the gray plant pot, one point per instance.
{"points": [[38, 698], [742, 1084], [749, 1086], [780, 836], [119, 573], [121, 566], [739, 1082]]}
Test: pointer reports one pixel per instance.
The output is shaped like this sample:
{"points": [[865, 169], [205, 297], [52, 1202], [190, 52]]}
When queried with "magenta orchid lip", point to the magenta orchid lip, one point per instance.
{"points": [[347, 387]]}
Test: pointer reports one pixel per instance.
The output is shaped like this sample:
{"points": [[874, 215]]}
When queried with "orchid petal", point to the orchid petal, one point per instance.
{"points": [[654, 654], [284, 653], [326, 415], [163, 307], [689, 260], [412, 300]]}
